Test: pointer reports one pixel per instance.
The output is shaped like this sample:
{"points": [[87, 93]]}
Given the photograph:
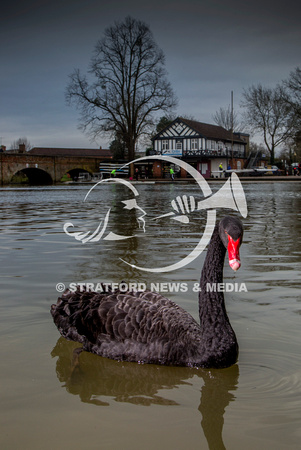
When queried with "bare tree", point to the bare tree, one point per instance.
{"points": [[223, 118], [21, 141], [293, 89], [267, 112], [293, 86], [130, 84], [290, 152]]}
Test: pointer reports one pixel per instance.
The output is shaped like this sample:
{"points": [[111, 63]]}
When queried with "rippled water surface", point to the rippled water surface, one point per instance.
{"points": [[105, 404]]}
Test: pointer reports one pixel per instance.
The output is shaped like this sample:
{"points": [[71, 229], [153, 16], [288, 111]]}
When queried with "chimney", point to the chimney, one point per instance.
{"points": [[21, 148]]}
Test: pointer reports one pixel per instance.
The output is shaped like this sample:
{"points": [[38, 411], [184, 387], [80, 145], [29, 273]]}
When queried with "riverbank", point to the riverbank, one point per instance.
{"points": [[260, 179], [255, 180]]}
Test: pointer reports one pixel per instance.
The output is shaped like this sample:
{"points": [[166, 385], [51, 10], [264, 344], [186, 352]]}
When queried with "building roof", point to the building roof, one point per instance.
{"points": [[85, 152], [211, 131], [207, 130]]}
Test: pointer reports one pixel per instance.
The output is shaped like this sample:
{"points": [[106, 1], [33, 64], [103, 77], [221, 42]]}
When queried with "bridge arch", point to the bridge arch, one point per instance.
{"points": [[32, 176], [74, 174]]}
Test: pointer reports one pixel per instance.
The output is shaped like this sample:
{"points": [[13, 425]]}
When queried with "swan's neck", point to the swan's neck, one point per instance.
{"points": [[212, 273], [216, 329]]}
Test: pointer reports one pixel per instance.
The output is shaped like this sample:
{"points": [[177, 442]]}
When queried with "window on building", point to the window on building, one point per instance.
{"points": [[165, 145], [179, 145], [194, 144], [204, 168]]}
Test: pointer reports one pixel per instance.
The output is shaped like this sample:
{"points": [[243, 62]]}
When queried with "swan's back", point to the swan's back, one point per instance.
{"points": [[135, 326], [147, 327]]}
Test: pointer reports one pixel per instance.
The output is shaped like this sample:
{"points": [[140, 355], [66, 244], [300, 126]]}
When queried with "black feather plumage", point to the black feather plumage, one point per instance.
{"points": [[147, 327]]}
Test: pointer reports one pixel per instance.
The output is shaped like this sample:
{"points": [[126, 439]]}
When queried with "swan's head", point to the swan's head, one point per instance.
{"points": [[231, 233]]}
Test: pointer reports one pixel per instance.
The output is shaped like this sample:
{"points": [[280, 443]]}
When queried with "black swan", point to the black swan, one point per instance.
{"points": [[149, 328]]}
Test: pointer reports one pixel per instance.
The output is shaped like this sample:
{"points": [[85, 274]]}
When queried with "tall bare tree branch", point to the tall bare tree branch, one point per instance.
{"points": [[129, 84], [268, 112], [223, 117]]}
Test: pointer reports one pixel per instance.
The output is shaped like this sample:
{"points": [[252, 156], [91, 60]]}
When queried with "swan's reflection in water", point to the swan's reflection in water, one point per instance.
{"points": [[91, 377]]}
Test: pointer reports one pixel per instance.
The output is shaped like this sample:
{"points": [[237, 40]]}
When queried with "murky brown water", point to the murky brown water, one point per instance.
{"points": [[107, 404]]}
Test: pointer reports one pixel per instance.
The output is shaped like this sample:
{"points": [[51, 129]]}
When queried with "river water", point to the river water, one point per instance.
{"points": [[105, 404]]}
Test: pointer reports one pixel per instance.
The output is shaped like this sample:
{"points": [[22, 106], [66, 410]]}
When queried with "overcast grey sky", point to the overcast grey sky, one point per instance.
{"points": [[212, 48]]}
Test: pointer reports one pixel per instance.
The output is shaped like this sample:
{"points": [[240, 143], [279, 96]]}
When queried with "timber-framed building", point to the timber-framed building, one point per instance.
{"points": [[202, 145]]}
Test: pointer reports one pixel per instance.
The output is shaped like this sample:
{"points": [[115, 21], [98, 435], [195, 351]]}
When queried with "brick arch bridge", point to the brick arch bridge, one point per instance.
{"points": [[46, 169]]}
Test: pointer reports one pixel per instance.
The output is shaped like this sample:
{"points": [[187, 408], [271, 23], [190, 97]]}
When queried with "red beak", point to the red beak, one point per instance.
{"points": [[233, 252]]}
